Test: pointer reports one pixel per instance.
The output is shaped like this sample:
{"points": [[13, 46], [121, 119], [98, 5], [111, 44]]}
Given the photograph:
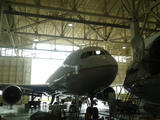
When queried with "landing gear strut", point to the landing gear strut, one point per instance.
{"points": [[33, 103], [52, 100], [93, 111]]}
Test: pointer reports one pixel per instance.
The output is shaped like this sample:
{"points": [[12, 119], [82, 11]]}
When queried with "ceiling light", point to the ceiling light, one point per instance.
{"points": [[36, 40], [83, 43], [123, 47], [70, 24]]}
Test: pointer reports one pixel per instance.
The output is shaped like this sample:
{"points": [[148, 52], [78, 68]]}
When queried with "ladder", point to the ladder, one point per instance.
{"points": [[128, 108]]}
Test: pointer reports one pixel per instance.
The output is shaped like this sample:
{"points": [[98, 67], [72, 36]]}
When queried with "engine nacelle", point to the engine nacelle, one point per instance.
{"points": [[12, 94], [103, 95]]}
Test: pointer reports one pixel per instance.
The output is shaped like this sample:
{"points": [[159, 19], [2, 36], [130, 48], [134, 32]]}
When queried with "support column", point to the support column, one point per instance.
{"points": [[1, 15], [137, 43], [134, 26]]}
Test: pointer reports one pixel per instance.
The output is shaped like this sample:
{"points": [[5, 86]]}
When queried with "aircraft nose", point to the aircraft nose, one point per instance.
{"points": [[106, 61]]}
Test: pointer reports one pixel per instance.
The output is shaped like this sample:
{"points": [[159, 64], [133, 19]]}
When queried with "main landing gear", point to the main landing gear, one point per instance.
{"points": [[93, 111], [52, 100]]}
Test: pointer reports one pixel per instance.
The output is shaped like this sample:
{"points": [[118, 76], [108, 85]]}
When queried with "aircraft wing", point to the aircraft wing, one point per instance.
{"points": [[39, 87], [12, 93], [32, 88]]}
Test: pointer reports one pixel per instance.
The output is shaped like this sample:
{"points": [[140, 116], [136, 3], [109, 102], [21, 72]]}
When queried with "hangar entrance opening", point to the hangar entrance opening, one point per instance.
{"points": [[42, 69], [47, 62]]}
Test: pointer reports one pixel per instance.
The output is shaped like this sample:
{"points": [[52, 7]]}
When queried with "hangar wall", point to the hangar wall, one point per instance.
{"points": [[118, 82], [122, 67], [16, 71]]}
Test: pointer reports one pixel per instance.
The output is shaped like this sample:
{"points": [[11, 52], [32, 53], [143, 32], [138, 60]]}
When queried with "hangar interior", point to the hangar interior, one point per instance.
{"points": [[52, 29]]}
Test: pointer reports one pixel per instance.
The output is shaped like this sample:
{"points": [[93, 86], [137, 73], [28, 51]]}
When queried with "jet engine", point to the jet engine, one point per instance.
{"points": [[103, 95], [12, 94]]}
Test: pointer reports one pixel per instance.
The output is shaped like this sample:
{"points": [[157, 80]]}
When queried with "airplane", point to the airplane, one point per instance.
{"points": [[143, 75], [88, 71]]}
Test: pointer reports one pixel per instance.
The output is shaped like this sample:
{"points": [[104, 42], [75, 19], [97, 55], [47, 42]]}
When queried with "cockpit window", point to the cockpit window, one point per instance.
{"points": [[83, 55], [91, 53], [86, 54], [107, 53]]}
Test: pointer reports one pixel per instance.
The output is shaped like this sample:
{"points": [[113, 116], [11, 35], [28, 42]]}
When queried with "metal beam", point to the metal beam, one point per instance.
{"points": [[65, 10], [10, 35], [111, 37], [148, 10], [67, 39], [127, 8], [44, 41], [65, 19], [9, 32], [72, 42], [81, 18], [70, 20], [1, 15], [50, 50], [58, 37], [32, 51]]}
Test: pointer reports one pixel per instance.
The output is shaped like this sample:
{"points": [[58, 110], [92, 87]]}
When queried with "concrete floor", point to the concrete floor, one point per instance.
{"points": [[11, 113], [18, 112]]}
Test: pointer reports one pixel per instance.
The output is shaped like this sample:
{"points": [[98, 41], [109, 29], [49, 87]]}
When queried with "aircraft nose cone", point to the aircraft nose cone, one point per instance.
{"points": [[102, 61], [106, 61]]}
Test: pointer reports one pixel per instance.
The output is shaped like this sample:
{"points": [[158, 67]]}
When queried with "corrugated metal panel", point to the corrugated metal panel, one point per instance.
{"points": [[15, 71]]}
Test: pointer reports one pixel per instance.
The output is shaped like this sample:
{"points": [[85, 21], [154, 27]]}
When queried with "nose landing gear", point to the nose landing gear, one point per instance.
{"points": [[93, 111]]}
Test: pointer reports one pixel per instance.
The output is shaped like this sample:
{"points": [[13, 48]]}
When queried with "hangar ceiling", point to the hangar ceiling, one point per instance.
{"points": [[103, 23]]}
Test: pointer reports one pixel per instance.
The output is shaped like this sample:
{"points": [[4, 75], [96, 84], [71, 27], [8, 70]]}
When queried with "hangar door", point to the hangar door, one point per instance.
{"points": [[15, 71]]}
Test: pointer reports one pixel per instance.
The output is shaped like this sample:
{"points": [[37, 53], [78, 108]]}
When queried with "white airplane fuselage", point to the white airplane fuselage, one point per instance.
{"points": [[96, 69], [87, 71]]}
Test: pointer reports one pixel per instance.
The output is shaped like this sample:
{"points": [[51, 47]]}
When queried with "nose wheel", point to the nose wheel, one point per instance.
{"points": [[93, 111]]}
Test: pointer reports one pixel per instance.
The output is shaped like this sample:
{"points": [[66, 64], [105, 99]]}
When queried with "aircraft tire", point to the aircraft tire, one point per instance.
{"points": [[95, 112], [89, 110]]}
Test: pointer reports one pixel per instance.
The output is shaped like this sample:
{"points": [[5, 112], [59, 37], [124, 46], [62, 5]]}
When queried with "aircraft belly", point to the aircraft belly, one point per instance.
{"points": [[148, 89], [87, 80]]}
